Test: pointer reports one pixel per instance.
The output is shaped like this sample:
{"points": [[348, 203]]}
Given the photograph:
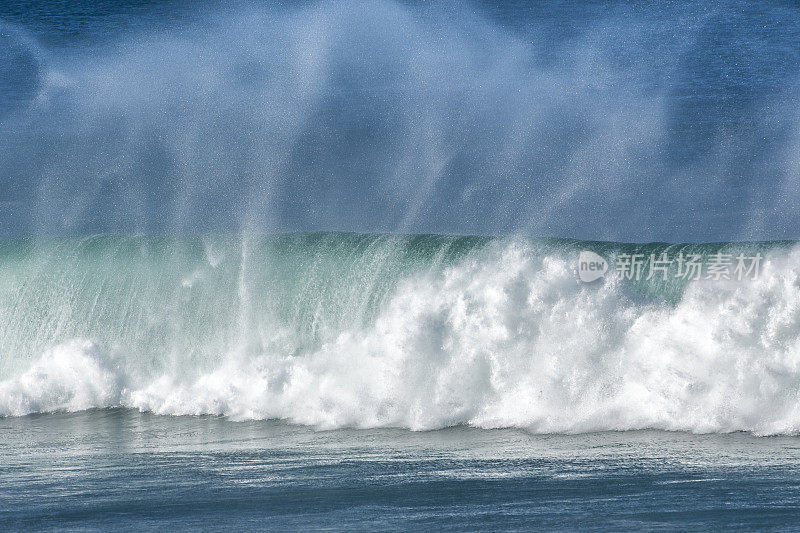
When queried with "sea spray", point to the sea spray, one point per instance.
{"points": [[582, 120]]}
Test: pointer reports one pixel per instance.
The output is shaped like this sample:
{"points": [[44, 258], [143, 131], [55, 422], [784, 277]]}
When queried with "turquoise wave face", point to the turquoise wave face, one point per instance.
{"points": [[177, 298], [195, 297]]}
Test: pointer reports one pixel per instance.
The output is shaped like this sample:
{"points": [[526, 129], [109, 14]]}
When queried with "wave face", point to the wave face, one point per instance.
{"points": [[422, 332]]}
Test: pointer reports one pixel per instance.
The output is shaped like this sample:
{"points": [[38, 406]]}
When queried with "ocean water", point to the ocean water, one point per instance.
{"points": [[368, 381], [124, 470], [317, 265]]}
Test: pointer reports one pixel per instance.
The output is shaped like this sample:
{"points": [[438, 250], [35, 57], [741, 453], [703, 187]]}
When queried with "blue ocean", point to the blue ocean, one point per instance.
{"points": [[397, 265]]}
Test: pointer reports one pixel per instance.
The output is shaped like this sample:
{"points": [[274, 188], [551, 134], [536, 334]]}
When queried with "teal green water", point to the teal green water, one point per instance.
{"points": [[165, 297], [192, 297]]}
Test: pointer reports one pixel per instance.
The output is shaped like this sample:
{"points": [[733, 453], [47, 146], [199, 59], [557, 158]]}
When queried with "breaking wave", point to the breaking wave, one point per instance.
{"points": [[423, 332]]}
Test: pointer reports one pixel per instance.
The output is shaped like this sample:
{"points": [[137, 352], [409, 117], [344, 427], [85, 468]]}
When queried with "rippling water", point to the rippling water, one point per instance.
{"points": [[120, 469]]}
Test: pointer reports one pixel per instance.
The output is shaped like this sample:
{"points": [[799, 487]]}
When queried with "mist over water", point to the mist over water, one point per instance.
{"points": [[602, 121], [213, 128]]}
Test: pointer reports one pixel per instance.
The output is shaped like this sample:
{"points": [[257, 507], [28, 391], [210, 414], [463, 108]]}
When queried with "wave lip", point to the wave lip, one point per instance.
{"points": [[421, 332]]}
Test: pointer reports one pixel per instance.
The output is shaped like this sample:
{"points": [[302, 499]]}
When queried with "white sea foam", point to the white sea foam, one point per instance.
{"points": [[507, 338], [70, 377]]}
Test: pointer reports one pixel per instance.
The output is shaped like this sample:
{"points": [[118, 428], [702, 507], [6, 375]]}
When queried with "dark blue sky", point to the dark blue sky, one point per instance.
{"points": [[599, 120]]}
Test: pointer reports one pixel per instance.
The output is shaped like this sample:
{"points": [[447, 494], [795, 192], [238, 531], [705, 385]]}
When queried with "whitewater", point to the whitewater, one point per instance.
{"points": [[423, 332]]}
